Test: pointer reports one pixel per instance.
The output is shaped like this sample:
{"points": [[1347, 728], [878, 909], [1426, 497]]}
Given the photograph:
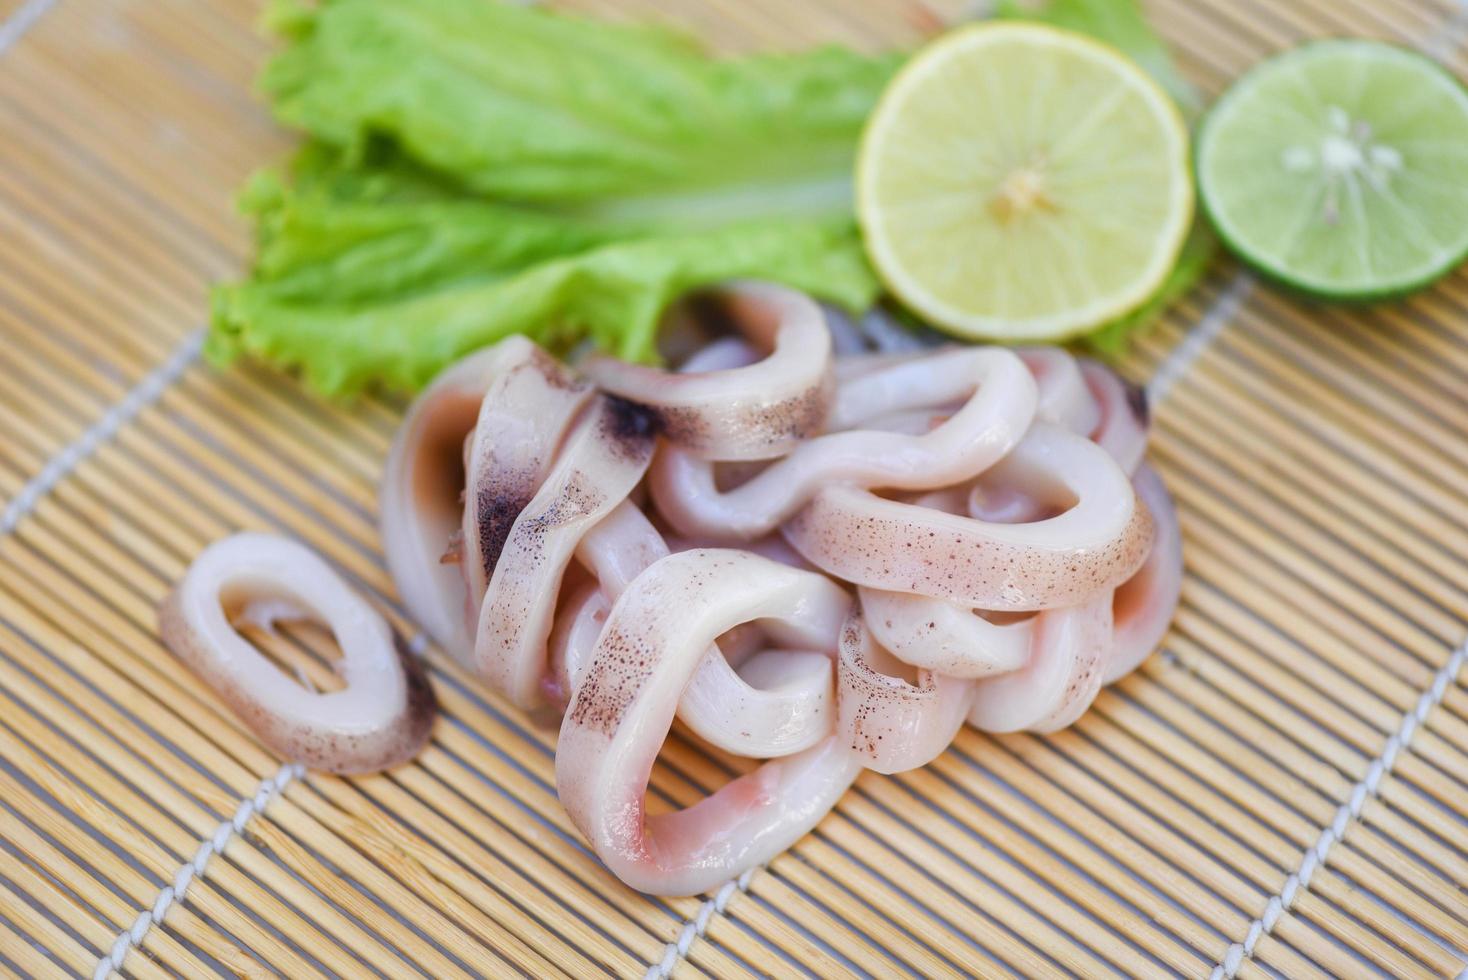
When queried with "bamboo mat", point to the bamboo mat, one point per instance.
{"points": [[1282, 791]]}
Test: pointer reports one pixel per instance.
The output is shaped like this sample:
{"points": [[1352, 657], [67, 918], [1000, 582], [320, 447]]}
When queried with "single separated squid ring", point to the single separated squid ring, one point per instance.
{"points": [[757, 411], [653, 641], [380, 719]]}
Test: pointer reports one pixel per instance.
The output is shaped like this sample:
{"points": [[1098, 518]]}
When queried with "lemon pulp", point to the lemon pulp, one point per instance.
{"points": [[1019, 182]]}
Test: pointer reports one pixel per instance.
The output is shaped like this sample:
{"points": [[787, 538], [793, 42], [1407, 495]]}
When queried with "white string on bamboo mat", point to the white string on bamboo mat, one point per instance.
{"points": [[697, 926], [1366, 789], [139, 397], [270, 787], [1439, 44], [22, 20]]}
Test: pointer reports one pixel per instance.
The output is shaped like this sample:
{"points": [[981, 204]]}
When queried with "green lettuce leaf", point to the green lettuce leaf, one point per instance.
{"points": [[475, 169], [528, 105], [613, 294]]}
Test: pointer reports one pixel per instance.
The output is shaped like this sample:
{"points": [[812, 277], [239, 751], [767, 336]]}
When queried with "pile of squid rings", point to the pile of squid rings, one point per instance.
{"points": [[805, 551]]}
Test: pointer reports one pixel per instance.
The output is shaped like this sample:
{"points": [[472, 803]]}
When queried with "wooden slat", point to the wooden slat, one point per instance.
{"points": [[1319, 458]]}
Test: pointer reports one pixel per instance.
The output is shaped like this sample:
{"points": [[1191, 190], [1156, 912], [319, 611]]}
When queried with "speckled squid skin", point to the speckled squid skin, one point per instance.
{"points": [[763, 428], [997, 397], [652, 642], [600, 463], [1027, 510], [858, 536], [468, 456], [756, 411], [891, 724], [349, 731], [789, 712], [525, 413]]}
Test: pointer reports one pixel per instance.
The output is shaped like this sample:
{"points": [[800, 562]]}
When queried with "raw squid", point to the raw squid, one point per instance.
{"points": [[824, 548], [1097, 543], [383, 715], [652, 642], [1121, 429], [998, 403], [1065, 399], [421, 497], [524, 415], [891, 723], [785, 713], [1144, 604], [602, 461], [1006, 564], [757, 411]]}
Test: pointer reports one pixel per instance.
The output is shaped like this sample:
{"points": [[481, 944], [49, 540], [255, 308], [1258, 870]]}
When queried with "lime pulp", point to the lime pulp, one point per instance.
{"points": [[1341, 168]]}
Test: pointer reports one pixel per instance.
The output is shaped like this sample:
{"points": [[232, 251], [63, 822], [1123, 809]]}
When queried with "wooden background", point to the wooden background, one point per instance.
{"points": [[1284, 790]]}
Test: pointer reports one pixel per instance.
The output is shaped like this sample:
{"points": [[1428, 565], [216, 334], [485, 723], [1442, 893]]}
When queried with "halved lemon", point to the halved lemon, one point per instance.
{"points": [[1018, 182]]}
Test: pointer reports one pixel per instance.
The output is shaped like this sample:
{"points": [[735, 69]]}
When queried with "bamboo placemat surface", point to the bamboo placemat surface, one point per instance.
{"points": [[1283, 790]]}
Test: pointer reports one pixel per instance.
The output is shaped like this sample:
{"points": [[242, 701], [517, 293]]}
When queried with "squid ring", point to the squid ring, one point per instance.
{"points": [[525, 413], [757, 411], [1122, 426], [380, 719], [421, 484], [604, 458], [1064, 398], [1144, 604], [512, 401], [1061, 679], [790, 711], [855, 366], [935, 634], [1087, 550], [620, 714], [891, 724], [1001, 405], [926, 381], [777, 703]]}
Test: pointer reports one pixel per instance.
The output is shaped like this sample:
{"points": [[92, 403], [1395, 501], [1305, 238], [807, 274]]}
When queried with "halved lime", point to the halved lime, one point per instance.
{"points": [[1341, 168], [1019, 182]]}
